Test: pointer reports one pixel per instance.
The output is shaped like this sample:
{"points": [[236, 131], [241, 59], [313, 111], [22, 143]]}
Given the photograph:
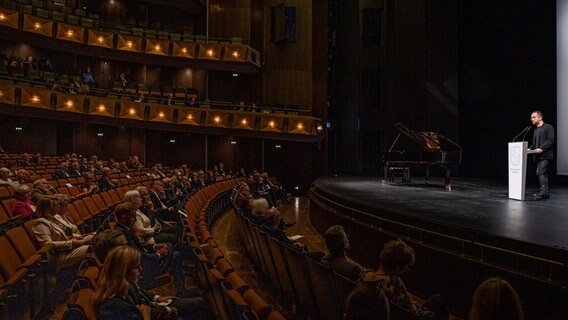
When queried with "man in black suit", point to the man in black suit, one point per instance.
{"points": [[338, 244], [161, 208], [62, 172], [104, 181]]}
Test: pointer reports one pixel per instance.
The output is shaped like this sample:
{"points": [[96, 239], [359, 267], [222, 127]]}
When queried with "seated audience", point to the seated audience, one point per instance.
{"points": [[22, 176], [24, 206], [338, 245], [5, 178], [121, 268], [496, 299], [188, 308], [48, 229], [162, 209], [148, 226], [26, 160], [63, 171], [366, 302], [395, 259], [75, 169], [271, 225], [104, 181], [90, 185], [156, 258], [42, 188]]}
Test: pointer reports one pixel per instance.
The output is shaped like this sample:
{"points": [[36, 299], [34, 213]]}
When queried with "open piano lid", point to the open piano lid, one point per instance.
{"points": [[428, 140]]}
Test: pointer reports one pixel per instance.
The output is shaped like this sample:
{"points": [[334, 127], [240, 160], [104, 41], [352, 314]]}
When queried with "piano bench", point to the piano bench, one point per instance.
{"points": [[403, 172]]}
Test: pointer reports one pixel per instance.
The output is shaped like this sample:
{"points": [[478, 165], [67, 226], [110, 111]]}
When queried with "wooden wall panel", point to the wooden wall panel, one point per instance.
{"points": [[230, 19], [35, 135]]}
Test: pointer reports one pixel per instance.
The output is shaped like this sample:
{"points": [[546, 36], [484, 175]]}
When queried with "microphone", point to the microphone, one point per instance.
{"points": [[524, 135], [520, 133]]}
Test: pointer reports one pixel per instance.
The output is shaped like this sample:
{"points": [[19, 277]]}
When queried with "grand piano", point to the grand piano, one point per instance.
{"points": [[429, 149]]}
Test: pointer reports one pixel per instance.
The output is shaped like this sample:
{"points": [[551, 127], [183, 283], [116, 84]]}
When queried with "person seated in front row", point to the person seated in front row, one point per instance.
{"points": [[496, 299], [338, 245], [188, 308], [395, 259], [24, 206], [366, 302], [145, 222]]}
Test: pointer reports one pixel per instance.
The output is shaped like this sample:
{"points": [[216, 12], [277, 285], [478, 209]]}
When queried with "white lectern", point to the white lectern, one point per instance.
{"points": [[518, 169]]}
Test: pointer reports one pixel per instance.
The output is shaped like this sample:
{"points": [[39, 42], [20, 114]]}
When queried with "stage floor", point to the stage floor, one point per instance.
{"points": [[478, 207]]}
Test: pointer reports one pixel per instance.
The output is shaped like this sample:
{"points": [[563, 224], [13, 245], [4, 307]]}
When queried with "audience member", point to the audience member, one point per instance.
{"points": [[121, 268], [395, 259], [338, 245], [22, 176], [5, 178], [63, 171], [23, 206], [42, 188], [69, 250], [366, 302], [104, 181], [496, 299]]}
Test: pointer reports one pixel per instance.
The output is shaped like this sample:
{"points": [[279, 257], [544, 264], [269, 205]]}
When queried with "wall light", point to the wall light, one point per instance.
{"points": [[35, 99], [235, 54], [161, 114], [190, 117], [129, 44], [100, 39], [244, 122], [300, 126], [37, 25], [2, 17], [210, 52], [184, 50], [1, 93], [102, 108], [217, 119], [157, 47], [69, 103], [70, 33], [271, 124], [132, 111], [319, 127]]}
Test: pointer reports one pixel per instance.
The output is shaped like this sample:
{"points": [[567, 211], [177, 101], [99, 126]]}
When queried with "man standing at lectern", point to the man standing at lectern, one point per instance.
{"points": [[543, 140]]}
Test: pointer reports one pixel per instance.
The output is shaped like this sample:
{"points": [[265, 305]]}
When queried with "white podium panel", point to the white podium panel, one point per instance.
{"points": [[517, 169]]}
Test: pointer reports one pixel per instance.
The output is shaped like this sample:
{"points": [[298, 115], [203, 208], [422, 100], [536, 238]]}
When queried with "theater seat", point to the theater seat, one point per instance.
{"points": [[257, 304], [275, 315], [80, 306]]}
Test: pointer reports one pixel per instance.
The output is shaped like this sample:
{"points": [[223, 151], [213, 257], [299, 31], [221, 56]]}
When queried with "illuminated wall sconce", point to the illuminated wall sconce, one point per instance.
{"points": [[35, 99], [271, 124], [217, 119], [2, 17], [69, 104], [1, 93], [157, 47], [102, 108], [132, 111], [184, 50], [235, 54], [100, 39], [161, 115], [129, 44], [189, 117], [70, 33], [300, 126], [244, 122], [37, 26], [210, 52]]}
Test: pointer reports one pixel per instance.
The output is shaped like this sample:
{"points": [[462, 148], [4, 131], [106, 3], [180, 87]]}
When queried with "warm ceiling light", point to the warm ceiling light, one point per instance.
{"points": [[35, 99], [102, 108], [244, 122], [157, 47], [271, 124], [37, 25], [184, 50], [217, 119], [69, 103], [189, 117], [161, 115], [300, 126], [100, 39], [235, 54], [70, 33], [129, 44], [132, 111], [2, 17], [210, 52]]}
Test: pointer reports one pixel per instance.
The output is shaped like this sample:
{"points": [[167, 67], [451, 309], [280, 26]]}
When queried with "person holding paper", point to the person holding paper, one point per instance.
{"points": [[543, 140]]}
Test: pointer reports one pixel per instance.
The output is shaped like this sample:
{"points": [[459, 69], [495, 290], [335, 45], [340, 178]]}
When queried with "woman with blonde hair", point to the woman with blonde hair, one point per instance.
{"points": [[121, 267], [496, 299], [69, 250]]}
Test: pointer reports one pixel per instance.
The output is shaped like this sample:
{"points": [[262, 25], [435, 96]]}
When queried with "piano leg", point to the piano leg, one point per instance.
{"points": [[427, 176], [447, 178]]}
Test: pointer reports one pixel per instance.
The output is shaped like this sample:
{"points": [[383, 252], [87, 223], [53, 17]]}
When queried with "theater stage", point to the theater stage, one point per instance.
{"points": [[476, 210]]}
